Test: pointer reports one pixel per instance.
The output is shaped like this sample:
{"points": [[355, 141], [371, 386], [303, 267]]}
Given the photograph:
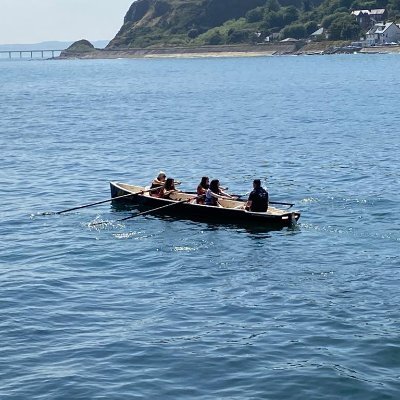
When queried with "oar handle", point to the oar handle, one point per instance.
{"points": [[106, 201]]}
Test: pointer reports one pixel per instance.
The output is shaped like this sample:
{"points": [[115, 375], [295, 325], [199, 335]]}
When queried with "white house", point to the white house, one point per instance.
{"points": [[383, 33]]}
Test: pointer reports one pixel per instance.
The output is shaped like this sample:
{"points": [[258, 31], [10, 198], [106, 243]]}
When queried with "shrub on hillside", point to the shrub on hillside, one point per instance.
{"points": [[327, 21], [193, 33], [311, 27], [238, 36], [255, 15], [214, 38], [296, 31], [344, 28]]}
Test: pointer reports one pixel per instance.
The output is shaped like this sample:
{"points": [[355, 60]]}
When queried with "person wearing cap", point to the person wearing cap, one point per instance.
{"points": [[159, 183], [258, 199]]}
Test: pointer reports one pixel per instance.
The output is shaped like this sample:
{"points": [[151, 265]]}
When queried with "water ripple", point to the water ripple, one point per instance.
{"points": [[157, 307]]}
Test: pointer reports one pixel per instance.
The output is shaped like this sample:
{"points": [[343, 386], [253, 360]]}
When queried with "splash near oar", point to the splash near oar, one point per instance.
{"points": [[148, 211]]}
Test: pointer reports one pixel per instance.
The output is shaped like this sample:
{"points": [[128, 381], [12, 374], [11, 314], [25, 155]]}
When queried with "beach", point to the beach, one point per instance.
{"points": [[261, 50]]}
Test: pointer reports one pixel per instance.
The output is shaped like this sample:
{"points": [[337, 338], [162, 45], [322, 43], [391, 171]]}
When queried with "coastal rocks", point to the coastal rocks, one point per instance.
{"points": [[81, 45], [78, 49]]}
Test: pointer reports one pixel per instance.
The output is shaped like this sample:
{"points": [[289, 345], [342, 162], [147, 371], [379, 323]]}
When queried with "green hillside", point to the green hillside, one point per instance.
{"points": [[166, 23]]}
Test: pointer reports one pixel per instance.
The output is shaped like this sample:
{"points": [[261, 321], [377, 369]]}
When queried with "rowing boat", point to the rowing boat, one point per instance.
{"points": [[183, 205]]}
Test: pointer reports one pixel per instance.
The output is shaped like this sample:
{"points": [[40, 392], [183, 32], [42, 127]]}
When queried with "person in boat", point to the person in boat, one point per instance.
{"points": [[159, 183], [258, 198], [213, 193], [167, 189], [202, 189]]}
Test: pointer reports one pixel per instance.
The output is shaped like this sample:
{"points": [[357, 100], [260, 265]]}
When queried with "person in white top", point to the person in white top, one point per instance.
{"points": [[214, 193]]}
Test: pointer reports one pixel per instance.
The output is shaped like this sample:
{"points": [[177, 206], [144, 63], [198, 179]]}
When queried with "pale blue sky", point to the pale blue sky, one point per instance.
{"points": [[33, 21]]}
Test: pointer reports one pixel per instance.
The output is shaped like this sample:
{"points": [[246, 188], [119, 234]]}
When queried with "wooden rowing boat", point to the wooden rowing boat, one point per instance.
{"points": [[232, 211]]}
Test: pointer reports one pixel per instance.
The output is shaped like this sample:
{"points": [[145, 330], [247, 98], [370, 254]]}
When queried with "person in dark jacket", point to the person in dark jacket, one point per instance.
{"points": [[258, 199]]}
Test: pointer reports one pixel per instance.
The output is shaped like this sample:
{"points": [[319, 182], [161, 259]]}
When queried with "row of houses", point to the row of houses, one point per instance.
{"points": [[383, 34], [367, 18], [379, 32]]}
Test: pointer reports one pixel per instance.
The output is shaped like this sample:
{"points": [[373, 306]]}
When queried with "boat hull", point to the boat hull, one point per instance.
{"points": [[196, 212]]}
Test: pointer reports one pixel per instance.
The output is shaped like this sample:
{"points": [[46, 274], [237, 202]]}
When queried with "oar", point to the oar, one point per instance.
{"points": [[239, 196], [283, 204], [147, 212], [155, 209], [104, 201]]}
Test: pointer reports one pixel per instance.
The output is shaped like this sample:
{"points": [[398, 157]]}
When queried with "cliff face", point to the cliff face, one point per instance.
{"points": [[158, 22]]}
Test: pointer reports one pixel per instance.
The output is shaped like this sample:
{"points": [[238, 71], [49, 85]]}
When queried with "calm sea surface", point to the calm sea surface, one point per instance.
{"points": [[155, 308]]}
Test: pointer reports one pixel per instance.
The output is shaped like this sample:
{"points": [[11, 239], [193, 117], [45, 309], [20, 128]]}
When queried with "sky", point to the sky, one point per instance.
{"points": [[34, 21]]}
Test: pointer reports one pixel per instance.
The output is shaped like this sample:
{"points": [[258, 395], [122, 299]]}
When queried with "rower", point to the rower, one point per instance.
{"points": [[158, 182], [258, 199], [214, 193], [167, 189], [202, 189]]}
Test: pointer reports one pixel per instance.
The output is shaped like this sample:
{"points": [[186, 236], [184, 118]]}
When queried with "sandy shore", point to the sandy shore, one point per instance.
{"points": [[226, 51], [211, 54], [380, 50], [184, 52]]}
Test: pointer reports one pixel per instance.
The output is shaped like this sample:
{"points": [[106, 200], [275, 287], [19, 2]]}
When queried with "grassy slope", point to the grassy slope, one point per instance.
{"points": [[168, 22], [165, 23]]}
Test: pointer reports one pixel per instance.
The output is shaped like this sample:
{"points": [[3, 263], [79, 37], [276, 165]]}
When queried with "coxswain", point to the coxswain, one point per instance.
{"points": [[258, 198]]}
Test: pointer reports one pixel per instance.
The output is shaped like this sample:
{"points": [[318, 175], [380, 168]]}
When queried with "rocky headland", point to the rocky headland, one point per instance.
{"points": [[199, 28]]}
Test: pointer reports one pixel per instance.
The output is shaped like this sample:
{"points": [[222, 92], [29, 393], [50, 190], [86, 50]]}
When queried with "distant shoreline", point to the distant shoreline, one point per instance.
{"points": [[181, 52], [289, 48]]}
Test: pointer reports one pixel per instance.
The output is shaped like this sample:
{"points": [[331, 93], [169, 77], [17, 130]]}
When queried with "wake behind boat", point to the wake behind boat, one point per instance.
{"points": [[183, 205]]}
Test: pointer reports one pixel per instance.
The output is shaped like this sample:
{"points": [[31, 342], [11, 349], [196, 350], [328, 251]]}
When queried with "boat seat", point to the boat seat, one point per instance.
{"points": [[226, 203]]}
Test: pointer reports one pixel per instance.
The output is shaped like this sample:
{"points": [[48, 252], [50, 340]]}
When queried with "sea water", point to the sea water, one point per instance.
{"points": [[161, 308]]}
